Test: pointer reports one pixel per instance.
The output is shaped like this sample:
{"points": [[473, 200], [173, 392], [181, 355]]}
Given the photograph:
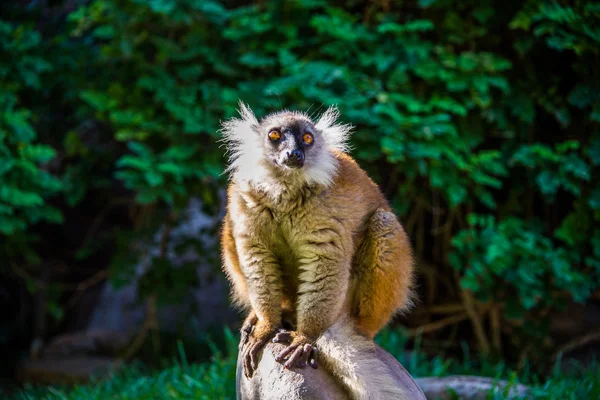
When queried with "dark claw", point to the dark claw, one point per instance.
{"points": [[313, 359]]}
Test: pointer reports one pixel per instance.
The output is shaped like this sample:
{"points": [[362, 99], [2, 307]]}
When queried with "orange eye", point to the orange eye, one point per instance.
{"points": [[307, 138], [274, 135]]}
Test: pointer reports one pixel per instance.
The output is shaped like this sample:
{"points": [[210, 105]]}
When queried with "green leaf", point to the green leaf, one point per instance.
{"points": [[141, 150], [153, 178], [456, 195], [594, 200], [100, 101], [104, 32]]}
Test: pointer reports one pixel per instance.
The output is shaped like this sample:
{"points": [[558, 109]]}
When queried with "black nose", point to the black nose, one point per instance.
{"points": [[296, 156]]}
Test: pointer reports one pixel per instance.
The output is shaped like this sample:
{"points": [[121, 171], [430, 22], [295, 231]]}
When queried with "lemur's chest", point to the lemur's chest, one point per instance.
{"points": [[283, 232], [283, 225], [287, 231]]}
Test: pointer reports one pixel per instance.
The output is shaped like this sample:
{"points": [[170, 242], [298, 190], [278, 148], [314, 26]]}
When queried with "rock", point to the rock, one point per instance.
{"points": [[272, 382], [119, 309], [403, 377], [65, 371], [75, 358]]}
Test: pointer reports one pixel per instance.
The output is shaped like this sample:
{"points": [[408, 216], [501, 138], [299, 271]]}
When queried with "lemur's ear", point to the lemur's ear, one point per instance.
{"points": [[247, 114], [336, 135], [235, 129], [239, 135]]}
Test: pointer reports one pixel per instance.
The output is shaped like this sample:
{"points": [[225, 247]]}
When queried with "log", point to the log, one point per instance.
{"points": [[272, 382], [66, 371], [468, 388]]}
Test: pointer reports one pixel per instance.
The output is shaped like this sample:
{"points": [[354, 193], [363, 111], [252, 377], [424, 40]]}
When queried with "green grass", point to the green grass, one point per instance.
{"points": [[178, 379], [215, 379]]}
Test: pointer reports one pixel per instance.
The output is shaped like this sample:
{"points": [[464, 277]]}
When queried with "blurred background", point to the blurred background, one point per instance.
{"points": [[480, 121]]}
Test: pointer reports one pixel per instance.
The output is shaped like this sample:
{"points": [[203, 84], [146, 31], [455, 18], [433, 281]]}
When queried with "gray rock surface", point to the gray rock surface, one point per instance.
{"points": [[272, 382]]}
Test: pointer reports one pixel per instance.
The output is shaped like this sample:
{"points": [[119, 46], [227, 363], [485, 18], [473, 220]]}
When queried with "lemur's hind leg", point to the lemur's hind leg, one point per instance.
{"points": [[382, 274]]}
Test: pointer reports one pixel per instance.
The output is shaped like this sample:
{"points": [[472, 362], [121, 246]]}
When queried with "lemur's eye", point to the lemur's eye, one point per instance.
{"points": [[307, 138], [274, 135]]}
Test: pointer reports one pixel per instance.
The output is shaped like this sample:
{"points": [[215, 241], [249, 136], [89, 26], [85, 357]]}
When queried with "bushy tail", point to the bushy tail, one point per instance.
{"points": [[351, 358]]}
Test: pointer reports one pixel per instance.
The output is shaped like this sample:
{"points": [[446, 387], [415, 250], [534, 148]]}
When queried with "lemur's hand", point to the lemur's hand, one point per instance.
{"points": [[247, 328], [300, 351], [254, 342]]}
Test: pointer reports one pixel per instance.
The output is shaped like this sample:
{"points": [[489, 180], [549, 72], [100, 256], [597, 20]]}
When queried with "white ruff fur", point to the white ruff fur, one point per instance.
{"points": [[249, 167]]}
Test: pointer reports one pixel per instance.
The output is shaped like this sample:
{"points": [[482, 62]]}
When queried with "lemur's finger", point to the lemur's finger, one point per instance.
{"points": [[306, 352], [246, 362], [296, 355], [254, 354], [286, 352]]}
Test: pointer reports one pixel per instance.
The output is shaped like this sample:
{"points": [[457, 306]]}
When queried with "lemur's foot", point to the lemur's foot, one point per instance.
{"points": [[299, 352], [254, 342]]}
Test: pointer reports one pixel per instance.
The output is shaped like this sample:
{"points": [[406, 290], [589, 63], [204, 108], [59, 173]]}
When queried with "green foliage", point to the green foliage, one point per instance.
{"points": [[25, 183], [498, 257], [479, 121]]}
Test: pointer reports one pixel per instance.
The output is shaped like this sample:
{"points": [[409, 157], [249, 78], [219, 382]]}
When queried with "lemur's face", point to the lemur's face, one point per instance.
{"points": [[290, 140], [285, 148]]}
